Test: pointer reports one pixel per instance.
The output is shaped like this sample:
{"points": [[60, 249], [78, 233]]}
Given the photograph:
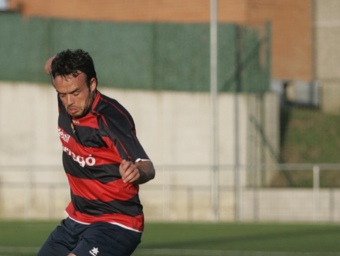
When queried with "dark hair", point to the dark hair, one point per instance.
{"points": [[71, 62]]}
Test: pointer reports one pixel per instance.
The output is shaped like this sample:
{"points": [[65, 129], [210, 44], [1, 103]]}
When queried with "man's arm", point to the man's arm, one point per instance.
{"points": [[137, 173], [47, 66]]}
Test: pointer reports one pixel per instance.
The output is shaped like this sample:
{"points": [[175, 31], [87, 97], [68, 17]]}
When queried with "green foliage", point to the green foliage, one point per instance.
{"points": [[311, 137]]}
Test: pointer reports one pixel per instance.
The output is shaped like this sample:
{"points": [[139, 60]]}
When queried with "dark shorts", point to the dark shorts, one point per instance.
{"points": [[98, 239]]}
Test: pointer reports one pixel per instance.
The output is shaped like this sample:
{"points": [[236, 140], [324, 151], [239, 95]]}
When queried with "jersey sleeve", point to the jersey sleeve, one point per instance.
{"points": [[122, 132]]}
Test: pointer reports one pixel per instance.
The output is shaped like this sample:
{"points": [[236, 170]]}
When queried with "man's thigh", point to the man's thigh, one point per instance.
{"points": [[63, 239], [104, 239]]}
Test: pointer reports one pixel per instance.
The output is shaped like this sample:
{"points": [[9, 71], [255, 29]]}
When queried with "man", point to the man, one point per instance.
{"points": [[103, 161]]}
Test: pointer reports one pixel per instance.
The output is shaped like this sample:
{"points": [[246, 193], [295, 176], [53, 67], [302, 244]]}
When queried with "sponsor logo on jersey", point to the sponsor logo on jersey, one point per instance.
{"points": [[83, 161], [64, 136]]}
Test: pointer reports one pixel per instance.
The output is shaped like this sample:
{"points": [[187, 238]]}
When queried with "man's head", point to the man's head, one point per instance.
{"points": [[74, 78], [71, 62]]}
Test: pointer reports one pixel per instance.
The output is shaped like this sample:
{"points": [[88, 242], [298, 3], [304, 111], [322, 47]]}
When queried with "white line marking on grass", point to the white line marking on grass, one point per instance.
{"points": [[179, 252], [18, 249], [183, 252]]}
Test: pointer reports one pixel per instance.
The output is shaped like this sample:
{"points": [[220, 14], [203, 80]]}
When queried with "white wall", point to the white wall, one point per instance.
{"points": [[174, 128]]}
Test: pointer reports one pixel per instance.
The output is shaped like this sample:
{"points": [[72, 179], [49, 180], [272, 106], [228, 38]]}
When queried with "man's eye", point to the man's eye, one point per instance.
{"points": [[62, 95], [75, 93]]}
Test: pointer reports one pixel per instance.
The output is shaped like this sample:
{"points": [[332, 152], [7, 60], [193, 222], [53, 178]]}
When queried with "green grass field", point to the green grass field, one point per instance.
{"points": [[197, 239]]}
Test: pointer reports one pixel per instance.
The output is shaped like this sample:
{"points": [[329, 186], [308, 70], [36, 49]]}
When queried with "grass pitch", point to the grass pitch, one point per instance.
{"points": [[23, 238]]}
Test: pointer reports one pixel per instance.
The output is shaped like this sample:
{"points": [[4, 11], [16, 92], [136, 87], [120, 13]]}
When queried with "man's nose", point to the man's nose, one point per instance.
{"points": [[69, 99]]}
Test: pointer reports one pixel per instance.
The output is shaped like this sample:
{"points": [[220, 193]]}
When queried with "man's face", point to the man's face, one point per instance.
{"points": [[75, 94]]}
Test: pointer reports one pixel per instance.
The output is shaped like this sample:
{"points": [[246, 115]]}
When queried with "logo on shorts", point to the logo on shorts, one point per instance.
{"points": [[94, 251]]}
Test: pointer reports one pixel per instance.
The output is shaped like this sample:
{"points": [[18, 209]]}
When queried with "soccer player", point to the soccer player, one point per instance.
{"points": [[104, 163]]}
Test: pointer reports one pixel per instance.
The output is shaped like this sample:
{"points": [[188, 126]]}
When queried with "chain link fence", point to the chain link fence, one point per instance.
{"points": [[145, 55], [182, 193]]}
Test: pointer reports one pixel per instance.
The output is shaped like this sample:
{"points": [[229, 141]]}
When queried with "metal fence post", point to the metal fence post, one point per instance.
{"points": [[166, 193], [316, 188]]}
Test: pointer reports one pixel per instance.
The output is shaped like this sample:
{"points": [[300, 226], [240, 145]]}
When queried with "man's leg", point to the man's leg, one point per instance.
{"points": [[62, 239]]}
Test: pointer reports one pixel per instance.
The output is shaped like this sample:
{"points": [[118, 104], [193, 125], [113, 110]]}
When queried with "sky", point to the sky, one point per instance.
{"points": [[3, 4]]}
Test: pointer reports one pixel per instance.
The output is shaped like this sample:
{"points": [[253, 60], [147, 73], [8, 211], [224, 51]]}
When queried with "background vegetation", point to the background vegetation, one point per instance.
{"points": [[309, 136]]}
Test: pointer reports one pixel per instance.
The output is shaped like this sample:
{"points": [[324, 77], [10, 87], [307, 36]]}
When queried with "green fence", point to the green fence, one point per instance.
{"points": [[153, 56]]}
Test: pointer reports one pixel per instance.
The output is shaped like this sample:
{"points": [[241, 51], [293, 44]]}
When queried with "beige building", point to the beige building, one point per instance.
{"points": [[327, 52]]}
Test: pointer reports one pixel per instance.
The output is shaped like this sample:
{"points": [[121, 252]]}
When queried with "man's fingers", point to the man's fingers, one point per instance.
{"points": [[132, 176], [129, 171]]}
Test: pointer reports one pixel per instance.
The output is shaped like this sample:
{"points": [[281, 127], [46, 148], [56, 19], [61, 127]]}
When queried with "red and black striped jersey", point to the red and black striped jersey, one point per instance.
{"points": [[93, 148]]}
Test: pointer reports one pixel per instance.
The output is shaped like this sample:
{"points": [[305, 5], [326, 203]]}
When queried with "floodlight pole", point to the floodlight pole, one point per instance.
{"points": [[214, 108]]}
